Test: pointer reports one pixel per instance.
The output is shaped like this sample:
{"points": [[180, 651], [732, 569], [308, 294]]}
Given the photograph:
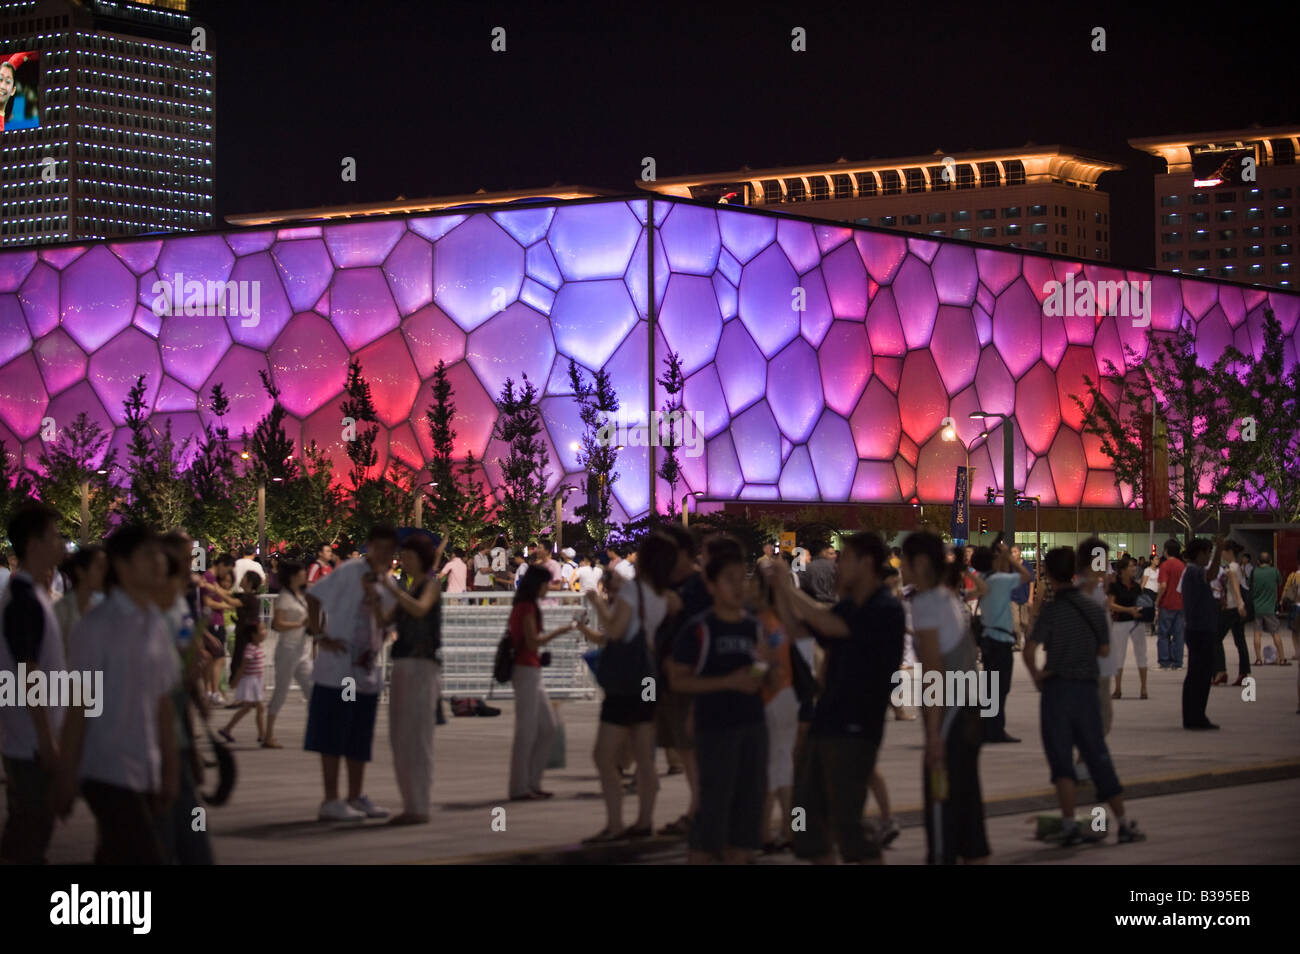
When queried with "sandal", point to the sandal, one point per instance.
{"points": [[271, 744], [1117, 695], [639, 831], [602, 837], [1143, 696], [1284, 662]]}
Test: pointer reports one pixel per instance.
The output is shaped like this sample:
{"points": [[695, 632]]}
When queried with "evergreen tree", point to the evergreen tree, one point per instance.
{"points": [[160, 494], [598, 455], [16, 486], [672, 382], [67, 462], [523, 472]]}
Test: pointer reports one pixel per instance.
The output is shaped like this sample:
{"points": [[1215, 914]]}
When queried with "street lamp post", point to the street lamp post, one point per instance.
{"points": [[419, 502], [1008, 473], [85, 512], [686, 517], [950, 434]]}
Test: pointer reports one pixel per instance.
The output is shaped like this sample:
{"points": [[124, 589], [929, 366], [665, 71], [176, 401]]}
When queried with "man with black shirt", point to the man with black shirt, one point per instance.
{"points": [[863, 638], [1201, 609], [1073, 630], [819, 578], [29, 733]]}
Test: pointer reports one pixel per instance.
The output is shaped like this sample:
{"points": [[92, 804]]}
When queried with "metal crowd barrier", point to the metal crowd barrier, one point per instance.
{"points": [[472, 625]]}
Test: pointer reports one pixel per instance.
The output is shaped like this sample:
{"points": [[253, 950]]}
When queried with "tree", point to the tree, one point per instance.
{"points": [[68, 462], [523, 472], [672, 382], [387, 498], [598, 455], [212, 477], [1264, 458], [160, 495], [1194, 403], [312, 510], [16, 486], [359, 408]]}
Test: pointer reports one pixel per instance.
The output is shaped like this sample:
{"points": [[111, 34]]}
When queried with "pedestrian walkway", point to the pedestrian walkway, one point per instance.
{"points": [[271, 816]]}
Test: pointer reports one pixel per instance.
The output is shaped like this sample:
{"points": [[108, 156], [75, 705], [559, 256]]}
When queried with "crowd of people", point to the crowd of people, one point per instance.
{"points": [[767, 685]]}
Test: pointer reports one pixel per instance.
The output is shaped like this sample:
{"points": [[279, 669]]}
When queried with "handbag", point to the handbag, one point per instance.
{"points": [[504, 663], [623, 663]]}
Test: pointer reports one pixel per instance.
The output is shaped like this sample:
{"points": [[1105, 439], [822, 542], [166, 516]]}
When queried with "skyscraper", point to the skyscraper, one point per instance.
{"points": [[108, 120]]}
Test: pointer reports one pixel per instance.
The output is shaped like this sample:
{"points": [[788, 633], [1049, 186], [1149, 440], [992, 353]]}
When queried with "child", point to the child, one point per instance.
{"points": [[247, 676], [720, 659]]}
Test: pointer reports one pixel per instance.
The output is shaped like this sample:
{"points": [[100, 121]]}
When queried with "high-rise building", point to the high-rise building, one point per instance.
{"points": [[1225, 206], [1043, 198], [109, 126]]}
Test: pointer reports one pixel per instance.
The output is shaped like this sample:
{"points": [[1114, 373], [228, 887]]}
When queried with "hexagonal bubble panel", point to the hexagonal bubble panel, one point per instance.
{"points": [[936, 469], [305, 268], [758, 444], [996, 387], [138, 256], [1199, 296], [515, 343], [725, 479], [61, 258], [591, 319], [1077, 363], [387, 367], [1038, 412], [691, 239], [636, 275], [744, 235], [14, 335], [875, 423], [174, 396], [955, 347], [435, 227], [540, 266], [799, 244], [767, 290], [1100, 490], [98, 298], [729, 267], [186, 434], [923, 403], [846, 282], [24, 397], [627, 370], [798, 479], [409, 270], [237, 372], [201, 258], [433, 337], [1212, 336], [741, 367], [14, 268], [956, 275], [906, 474], [997, 269], [361, 307], [845, 359], [834, 459], [875, 481], [115, 367], [924, 249], [728, 297], [963, 404], [262, 308], [1017, 333], [358, 244], [594, 241], [1039, 482], [760, 492], [1069, 467], [1287, 310], [993, 446], [561, 415], [191, 346], [704, 401], [62, 363], [831, 236], [794, 390], [690, 320], [325, 428], [403, 447], [881, 253], [816, 317], [537, 295], [883, 325], [477, 269], [888, 370], [527, 225], [476, 414], [246, 243]]}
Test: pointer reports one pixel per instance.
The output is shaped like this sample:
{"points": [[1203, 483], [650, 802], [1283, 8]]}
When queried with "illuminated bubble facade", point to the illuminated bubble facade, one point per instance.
{"points": [[821, 360]]}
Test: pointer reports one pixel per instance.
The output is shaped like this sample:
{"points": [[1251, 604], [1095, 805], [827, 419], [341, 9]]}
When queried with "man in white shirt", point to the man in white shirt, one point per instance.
{"points": [[126, 758], [29, 634], [567, 567], [246, 563], [587, 574], [625, 567], [482, 568], [343, 610], [455, 572]]}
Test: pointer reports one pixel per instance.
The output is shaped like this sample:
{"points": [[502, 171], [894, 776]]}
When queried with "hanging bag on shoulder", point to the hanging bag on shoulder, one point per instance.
{"points": [[624, 663]]}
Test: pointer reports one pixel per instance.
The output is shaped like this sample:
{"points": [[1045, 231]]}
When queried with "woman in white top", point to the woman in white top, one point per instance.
{"points": [[640, 606], [293, 649], [1232, 618]]}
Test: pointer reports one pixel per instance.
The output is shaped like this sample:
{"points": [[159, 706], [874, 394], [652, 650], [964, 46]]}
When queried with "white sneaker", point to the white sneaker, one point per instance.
{"points": [[339, 810], [368, 808]]}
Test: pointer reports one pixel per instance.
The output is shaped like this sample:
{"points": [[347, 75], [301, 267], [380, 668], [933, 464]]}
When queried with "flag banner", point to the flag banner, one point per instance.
{"points": [[961, 507]]}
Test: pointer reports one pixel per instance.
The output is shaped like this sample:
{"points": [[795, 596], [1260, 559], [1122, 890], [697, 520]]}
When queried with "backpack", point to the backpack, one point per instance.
{"points": [[503, 665], [625, 663]]}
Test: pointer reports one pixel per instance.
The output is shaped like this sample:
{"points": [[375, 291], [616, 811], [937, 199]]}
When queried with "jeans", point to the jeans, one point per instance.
{"points": [[1231, 620], [997, 658], [1169, 637], [1200, 673]]}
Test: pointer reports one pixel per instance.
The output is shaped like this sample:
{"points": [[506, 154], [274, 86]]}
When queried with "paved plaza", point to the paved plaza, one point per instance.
{"points": [[1204, 798]]}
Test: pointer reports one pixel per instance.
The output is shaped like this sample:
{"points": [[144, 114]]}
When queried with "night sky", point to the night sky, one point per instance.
{"points": [[415, 94]]}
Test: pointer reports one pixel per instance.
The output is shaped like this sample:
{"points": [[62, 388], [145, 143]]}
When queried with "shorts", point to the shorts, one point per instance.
{"points": [[1070, 715], [733, 787], [338, 727], [673, 721], [830, 784], [626, 710], [1269, 622]]}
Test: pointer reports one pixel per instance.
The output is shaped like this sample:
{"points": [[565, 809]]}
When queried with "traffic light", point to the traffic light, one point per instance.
{"points": [[1153, 551], [990, 494], [984, 524]]}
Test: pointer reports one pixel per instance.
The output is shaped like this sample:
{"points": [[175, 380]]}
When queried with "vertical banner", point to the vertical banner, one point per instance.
{"points": [[961, 508], [1155, 468]]}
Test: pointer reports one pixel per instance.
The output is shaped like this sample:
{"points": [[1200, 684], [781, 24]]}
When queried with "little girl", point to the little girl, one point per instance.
{"points": [[247, 663]]}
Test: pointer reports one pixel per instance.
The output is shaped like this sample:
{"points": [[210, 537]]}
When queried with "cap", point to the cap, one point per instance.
{"points": [[569, 552]]}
